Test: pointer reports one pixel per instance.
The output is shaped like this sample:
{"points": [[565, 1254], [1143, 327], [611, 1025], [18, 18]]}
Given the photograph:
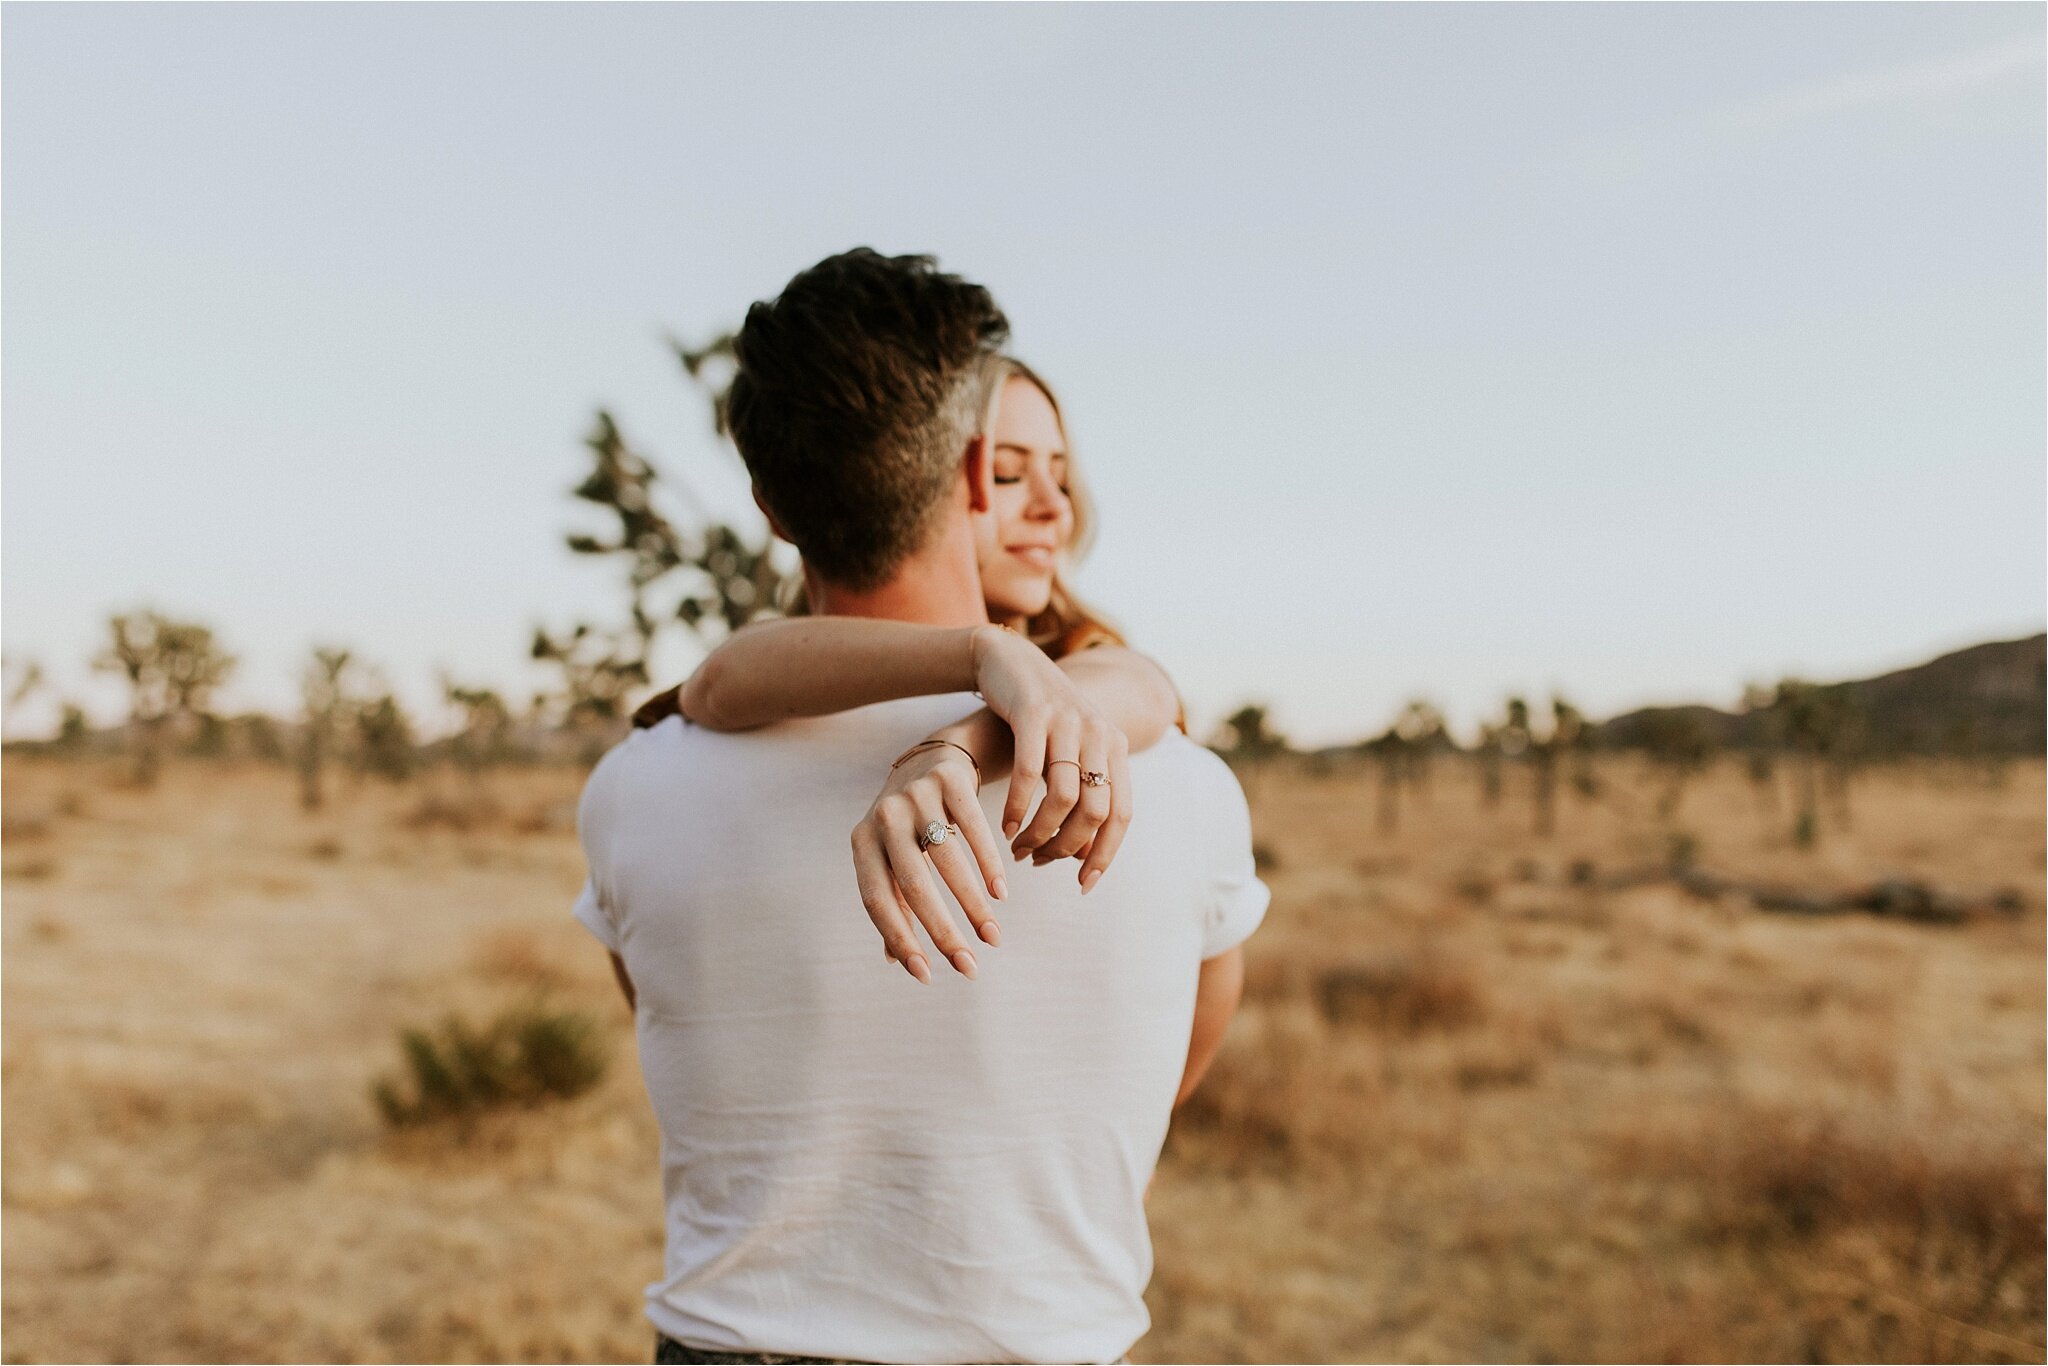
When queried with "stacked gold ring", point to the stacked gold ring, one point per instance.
{"points": [[1089, 777]]}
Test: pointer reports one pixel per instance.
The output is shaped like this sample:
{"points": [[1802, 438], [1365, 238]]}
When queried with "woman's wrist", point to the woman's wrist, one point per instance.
{"points": [[984, 738], [980, 640]]}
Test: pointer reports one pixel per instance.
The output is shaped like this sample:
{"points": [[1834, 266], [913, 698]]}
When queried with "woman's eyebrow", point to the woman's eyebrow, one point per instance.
{"points": [[1027, 450]]}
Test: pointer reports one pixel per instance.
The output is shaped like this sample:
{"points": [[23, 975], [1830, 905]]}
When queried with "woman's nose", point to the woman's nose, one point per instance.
{"points": [[1047, 501]]}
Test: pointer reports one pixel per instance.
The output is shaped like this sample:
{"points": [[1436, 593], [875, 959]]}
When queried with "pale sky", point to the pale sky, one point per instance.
{"points": [[1414, 349]]}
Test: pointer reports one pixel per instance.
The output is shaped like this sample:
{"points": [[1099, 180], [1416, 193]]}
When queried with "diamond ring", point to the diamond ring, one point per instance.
{"points": [[933, 834], [1094, 780]]}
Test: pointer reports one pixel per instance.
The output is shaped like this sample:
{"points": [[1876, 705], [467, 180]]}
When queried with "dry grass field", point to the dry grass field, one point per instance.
{"points": [[1487, 1101]]}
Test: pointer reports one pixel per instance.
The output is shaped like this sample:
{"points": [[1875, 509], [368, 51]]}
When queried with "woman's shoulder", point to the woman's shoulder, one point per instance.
{"points": [[1082, 635]]}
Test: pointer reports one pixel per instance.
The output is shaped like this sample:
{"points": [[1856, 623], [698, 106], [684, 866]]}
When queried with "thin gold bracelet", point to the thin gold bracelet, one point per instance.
{"points": [[932, 744]]}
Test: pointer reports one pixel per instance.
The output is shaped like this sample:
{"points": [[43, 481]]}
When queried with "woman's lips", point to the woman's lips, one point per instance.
{"points": [[1037, 556]]}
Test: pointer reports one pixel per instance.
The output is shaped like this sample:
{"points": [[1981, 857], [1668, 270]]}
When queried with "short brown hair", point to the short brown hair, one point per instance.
{"points": [[857, 390]]}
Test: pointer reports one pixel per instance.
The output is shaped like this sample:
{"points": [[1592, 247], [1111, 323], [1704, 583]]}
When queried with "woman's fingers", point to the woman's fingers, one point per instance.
{"points": [[884, 905], [1095, 858], [963, 808], [1062, 787], [1092, 806], [1026, 767], [913, 879], [958, 868]]}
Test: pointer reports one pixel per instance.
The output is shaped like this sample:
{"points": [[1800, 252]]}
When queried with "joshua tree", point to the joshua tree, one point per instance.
{"points": [[1566, 736], [1504, 742], [350, 711], [1679, 744], [172, 668], [682, 566], [1490, 753], [1822, 725], [483, 733], [257, 735], [23, 678], [1421, 728], [326, 689], [1568, 721], [1391, 751], [384, 737], [1763, 735], [1514, 731], [72, 726], [597, 672], [1403, 753]]}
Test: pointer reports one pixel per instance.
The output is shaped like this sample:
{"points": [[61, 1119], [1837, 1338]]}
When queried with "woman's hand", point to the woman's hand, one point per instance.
{"points": [[933, 785], [1059, 736]]}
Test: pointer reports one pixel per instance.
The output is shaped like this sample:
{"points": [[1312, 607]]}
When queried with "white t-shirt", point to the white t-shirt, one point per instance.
{"points": [[857, 1165]]}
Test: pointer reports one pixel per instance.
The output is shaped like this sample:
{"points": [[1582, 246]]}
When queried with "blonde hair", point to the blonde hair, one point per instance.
{"points": [[1067, 624]]}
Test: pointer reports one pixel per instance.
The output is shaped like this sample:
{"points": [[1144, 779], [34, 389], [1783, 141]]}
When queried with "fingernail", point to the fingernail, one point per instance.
{"points": [[1089, 879], [1010, 828], [920, 969], [992, 934], [1002, 888], [963, 961]]}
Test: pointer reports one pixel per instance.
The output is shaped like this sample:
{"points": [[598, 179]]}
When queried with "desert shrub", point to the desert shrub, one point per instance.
{"points": [[1766, 1174], [15, 828], [460, 812], [1259, 1101], [1271, 977], [31, 869], [1405, 994], [516, 954], [525, 1056], [1682, 851], [547, 818], [1494, 1073], [1476, 888]]}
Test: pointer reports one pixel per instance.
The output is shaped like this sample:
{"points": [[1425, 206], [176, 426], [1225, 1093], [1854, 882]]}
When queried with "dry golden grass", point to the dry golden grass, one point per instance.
{"points": [[1476, 1107]]}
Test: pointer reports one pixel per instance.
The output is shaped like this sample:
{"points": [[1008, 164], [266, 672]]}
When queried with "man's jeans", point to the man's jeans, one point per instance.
{"points": [[669, 1352]]}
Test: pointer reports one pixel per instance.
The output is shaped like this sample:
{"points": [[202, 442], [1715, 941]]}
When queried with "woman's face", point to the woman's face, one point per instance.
{"points": [[1029, 520]]}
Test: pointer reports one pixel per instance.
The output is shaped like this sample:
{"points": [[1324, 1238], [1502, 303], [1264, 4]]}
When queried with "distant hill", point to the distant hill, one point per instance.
{"points": [[1987, 699]]}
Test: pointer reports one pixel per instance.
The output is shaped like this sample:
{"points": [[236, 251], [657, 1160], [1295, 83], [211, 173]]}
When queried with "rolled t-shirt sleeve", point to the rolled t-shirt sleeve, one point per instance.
{"points": [[591, 911], [1235, 899]]}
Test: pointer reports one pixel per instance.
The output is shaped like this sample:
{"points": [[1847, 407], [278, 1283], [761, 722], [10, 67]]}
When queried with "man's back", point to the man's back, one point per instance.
{"points": [[860, 1166]]}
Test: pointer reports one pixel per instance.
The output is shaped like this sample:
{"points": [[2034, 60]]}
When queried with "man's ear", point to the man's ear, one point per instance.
{"points": [[980, 468], [769, 513]]}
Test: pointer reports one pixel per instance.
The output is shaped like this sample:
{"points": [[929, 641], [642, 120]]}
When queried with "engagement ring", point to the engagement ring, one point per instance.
{"points": [[934, 834], [1094, 779]]}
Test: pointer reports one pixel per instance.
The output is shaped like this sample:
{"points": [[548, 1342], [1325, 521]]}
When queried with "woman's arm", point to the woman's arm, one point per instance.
{"points": [[812, 666], [1132, 690]]}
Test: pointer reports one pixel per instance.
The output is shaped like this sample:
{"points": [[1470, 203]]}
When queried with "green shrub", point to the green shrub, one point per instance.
{"points": [[526, 1056]]}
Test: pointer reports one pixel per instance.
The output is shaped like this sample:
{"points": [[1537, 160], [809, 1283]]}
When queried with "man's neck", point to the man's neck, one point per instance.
{"points": [[938, 586]]}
